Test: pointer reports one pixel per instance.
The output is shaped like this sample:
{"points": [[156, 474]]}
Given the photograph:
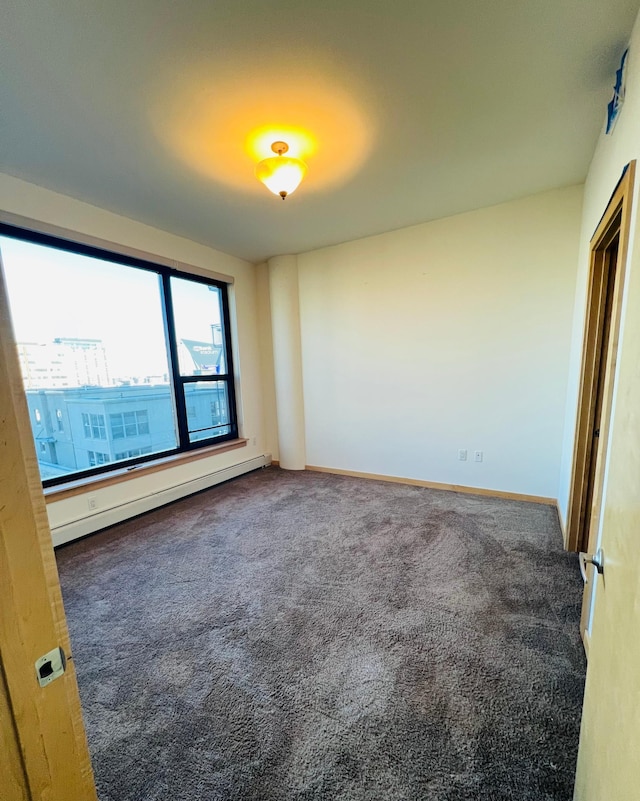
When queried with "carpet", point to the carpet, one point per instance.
{"points": [[302, 636]]}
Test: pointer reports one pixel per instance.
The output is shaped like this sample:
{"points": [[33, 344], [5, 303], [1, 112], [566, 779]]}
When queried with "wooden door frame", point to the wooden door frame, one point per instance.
{"points": [[616, 221], [41, 728]]}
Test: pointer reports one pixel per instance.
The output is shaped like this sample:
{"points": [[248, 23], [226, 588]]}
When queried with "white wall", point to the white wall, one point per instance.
{"points": [[612, 153], [451, 334], [19, 197]]}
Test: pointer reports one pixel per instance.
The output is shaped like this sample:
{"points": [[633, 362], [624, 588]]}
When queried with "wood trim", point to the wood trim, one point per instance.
{"points": [[80, 487], [47, 721], [611, 359], [561, 523], [416, 482], [616, 221], [40, 227], [13, 780]]}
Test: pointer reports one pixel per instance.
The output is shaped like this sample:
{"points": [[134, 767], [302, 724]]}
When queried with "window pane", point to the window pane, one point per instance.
{"points": [[91, 344], [207, 409], [198, 324], [142, 420], [117, 428], [130, 428]]}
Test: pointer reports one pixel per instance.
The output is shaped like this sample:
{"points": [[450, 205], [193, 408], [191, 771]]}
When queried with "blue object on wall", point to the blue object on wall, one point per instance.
{"points": [[615, 104]]}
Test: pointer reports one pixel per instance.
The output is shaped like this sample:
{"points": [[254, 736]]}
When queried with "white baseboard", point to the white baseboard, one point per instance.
{"points": [[74, 529]]}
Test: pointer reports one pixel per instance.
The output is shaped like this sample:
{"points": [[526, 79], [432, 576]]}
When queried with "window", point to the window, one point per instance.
{"points": [[202, 358], [96, 458], [86, 424], [93, 426], [129, 424], [145, 370], [132, 453]]}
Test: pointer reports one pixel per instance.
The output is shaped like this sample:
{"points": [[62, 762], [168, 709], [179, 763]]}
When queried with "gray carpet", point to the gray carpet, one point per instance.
{"points": [[306, 636]]}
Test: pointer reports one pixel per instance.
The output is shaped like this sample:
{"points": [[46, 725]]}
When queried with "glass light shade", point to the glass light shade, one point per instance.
{"points": [[281, 174]]}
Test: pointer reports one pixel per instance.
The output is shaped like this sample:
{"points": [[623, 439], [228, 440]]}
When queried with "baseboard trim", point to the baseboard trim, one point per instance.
{"points": [[416, 482], [562, 524], [74, 529]]}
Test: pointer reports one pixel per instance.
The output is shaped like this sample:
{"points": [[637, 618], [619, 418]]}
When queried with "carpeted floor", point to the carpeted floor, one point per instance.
{"points": [[303, 636]]}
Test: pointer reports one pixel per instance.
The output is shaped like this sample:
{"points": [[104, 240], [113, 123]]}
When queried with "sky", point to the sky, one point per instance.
{"points": [[54, 293]]}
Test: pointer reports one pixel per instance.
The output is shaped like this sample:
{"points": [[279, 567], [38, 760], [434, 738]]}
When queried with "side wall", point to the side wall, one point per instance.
{"points": [[612, 153], [19, 197], [450, 335], [608, 765]]}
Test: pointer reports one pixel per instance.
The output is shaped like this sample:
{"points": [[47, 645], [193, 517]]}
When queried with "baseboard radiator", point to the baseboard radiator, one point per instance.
{"points": [[88, 524]]}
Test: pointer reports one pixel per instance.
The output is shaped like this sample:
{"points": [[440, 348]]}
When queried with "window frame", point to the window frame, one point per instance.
{"points": [[176, 380], [180, 380]]}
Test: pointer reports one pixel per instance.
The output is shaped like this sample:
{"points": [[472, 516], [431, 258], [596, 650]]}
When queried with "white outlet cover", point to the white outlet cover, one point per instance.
{"points": [[50, 666]]}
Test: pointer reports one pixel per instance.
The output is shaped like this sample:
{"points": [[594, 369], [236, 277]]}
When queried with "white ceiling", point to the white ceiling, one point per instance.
{"points": [[417, 109]]}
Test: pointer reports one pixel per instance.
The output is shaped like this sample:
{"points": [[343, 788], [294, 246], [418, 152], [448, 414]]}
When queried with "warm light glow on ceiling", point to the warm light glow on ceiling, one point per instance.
{"points": [[223, 129], [301, 144]]}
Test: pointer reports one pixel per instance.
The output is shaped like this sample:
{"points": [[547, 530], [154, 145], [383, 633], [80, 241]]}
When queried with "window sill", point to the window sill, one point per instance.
{"points": [[63, 491]]}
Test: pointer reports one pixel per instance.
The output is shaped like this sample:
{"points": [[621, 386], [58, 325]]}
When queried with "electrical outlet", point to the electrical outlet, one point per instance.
{"points": [[478, 456], [92, 502], [462, 454]]}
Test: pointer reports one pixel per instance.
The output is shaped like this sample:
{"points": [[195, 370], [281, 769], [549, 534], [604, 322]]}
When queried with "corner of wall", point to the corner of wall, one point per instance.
{"points": [[270, 420]]}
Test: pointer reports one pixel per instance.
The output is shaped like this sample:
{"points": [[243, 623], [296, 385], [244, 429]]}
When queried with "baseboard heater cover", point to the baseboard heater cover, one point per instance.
{"points": [[96, 521]]}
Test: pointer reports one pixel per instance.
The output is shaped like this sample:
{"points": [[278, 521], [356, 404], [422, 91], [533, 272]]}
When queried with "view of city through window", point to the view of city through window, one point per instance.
{"points": [[95, 360]]}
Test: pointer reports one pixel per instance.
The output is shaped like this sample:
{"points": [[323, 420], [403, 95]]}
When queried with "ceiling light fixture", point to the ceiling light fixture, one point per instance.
{"points": [[281, 174]]}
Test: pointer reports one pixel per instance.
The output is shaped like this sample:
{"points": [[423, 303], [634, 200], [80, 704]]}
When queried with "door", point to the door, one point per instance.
{"points": [[608, 255], [608, 761], [44, 749]]}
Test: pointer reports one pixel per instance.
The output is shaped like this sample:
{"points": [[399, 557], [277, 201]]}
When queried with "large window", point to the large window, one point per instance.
{"points": [[122, 359]]}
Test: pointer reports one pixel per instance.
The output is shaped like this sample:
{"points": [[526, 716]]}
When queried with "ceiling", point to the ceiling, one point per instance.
{"points": [[405, 110]]}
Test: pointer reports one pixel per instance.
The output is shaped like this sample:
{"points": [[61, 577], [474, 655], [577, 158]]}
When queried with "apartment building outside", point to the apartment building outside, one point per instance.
{"points": [[84, 427]]}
